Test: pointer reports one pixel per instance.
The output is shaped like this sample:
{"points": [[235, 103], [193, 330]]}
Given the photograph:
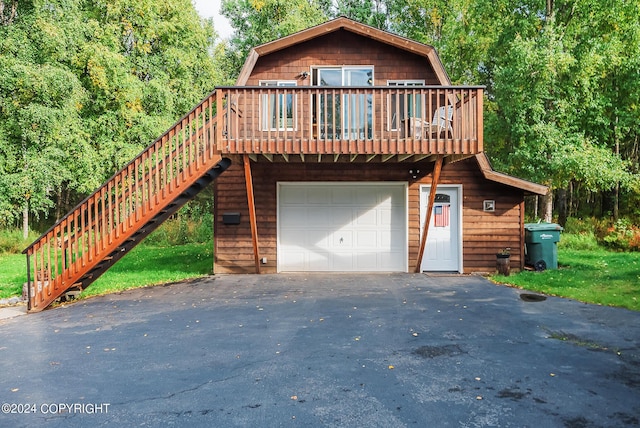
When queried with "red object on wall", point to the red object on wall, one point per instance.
{"points": [[441, 215]]}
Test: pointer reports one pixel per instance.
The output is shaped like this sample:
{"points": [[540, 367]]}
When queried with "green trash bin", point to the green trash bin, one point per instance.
{"points": [[540, 245]]}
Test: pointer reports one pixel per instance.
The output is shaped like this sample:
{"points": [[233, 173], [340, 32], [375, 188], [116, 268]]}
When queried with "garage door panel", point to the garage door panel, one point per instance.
{"points": [[367, 261], [388, 260], [294, 216], [342, 196], [342, 262], [342, 227], [369, 196], [319, 261], [387, 242], [296, 259], [342, 240], [316, 239], [293, 196], [367, 217], [367, 239], [319, 196], [338, 216]]}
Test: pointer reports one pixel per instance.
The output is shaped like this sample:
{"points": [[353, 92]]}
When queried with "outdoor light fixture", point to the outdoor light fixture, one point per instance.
{"points": [[414, 173], [488, 205]]}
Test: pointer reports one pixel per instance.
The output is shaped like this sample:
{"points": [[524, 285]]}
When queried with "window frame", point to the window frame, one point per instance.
{"points": [[419, 105], [269, 113], [353, 123]]}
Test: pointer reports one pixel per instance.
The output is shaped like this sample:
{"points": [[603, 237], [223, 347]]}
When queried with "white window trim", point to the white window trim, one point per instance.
{"points": [[343, 68], [460, 224], [404, 83], [265, 120], [345, 128]]}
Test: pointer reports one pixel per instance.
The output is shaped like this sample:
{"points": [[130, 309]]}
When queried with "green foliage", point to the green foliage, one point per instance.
{"points": [[260, 21], [12, 242], [181, 230], [85, 86], [145, 265], [578, 241], [621, 234]]}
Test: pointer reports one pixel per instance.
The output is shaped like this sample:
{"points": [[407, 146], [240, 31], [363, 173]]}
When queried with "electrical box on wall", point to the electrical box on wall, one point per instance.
{"points": [[231, 218]]}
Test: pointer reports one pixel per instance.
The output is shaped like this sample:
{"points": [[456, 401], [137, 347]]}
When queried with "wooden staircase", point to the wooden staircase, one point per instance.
{"points": [[134, 202]]}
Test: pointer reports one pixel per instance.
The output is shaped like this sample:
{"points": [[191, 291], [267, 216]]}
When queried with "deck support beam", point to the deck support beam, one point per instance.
{"points": [[435, 178], [252, 211]]}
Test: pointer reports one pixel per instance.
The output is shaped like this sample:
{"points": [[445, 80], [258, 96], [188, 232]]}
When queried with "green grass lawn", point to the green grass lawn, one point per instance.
{"points": [[13, 273], [593, 276], [144, 265], [149, 265]]}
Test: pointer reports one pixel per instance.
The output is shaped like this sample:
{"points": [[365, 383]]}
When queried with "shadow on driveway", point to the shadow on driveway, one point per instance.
{"points": [[322, 350]]}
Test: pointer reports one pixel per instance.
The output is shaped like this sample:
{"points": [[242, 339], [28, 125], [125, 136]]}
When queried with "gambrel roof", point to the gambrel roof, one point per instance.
{"points": [[346, 24], [398, 42]]}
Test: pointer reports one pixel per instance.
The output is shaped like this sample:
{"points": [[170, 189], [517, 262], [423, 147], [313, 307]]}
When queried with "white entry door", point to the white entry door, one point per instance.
{"points": [[443, 252], [340, 227]]}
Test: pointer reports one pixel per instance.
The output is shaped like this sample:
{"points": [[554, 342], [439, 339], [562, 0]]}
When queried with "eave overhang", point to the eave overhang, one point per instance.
{"points": [[508, 180]]}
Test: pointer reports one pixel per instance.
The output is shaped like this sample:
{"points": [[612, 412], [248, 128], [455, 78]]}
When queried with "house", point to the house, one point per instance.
{"points": [[336, 136], [323, 157]]}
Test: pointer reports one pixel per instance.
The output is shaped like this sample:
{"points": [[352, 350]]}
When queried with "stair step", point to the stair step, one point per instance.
{"points": [[98, 266]]}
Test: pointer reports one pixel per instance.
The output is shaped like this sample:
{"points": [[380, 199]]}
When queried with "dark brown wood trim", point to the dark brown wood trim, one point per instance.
{"points": [[252, 211], [427, 219], [498, 177]]}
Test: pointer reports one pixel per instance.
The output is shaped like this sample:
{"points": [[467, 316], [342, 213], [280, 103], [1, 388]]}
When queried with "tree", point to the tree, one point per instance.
{"points": [[84, 86], [548, 88], [260, 21], [43, 143]]}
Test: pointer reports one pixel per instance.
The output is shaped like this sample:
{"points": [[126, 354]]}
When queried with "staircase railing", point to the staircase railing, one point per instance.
{"points": [[64, 255]]}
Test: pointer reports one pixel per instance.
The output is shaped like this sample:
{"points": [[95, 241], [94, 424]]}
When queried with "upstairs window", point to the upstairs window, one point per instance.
{"points": [[278, 110], [349, 116], [405, 105]]}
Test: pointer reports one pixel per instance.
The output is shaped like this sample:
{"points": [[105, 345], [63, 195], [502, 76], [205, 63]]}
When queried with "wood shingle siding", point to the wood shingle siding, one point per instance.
{"points": [[343, 48], [484, 233]]}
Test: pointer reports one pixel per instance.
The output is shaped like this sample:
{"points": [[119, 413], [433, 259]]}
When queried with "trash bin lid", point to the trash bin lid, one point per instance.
{"points": [[532, 227]]}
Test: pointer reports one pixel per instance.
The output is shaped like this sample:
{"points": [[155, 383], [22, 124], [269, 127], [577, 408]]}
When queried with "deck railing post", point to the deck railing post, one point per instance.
{"points": [[28, 281]]}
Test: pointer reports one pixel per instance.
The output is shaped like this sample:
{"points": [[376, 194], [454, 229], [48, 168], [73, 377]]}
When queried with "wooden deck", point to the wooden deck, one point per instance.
{"points": [[284, 122], [312, 120]]}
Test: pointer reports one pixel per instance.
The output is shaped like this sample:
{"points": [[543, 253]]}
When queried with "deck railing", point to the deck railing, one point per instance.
{"points": [[235, 120], [357, 120], [102, 222]]}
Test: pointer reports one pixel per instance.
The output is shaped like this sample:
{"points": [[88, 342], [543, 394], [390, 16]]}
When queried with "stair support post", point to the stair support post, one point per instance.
{"points": [[252, 211], [435, 178]]}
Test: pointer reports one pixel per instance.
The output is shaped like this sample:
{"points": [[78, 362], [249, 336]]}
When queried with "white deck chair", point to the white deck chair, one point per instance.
{"points": [[441, 122]]}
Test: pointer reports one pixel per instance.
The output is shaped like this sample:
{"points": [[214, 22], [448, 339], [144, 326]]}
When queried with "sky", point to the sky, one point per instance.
{"points": [[211, 9]]}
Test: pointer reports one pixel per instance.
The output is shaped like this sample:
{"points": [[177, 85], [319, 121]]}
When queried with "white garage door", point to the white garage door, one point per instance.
{"points": [[342, 227]]}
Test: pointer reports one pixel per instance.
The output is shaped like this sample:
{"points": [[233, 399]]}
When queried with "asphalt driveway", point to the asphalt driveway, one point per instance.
{"points": [[322, 350]]}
